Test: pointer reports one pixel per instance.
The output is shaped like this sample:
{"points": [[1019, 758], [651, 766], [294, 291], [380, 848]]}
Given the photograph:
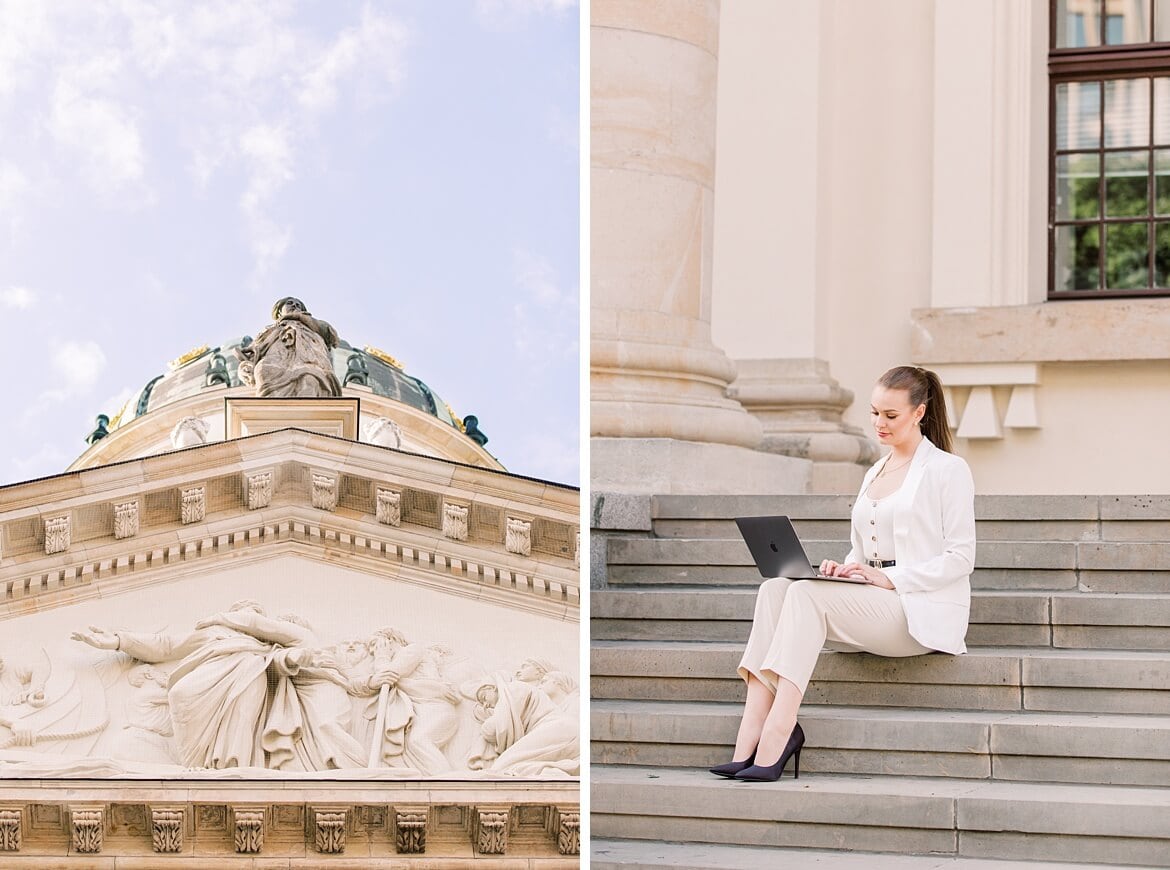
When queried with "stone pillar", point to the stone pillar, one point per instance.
{"points": [[660, 417]]}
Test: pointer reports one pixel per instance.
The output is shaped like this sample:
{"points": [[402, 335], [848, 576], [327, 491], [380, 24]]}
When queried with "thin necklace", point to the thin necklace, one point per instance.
{"points": [[886, 467]]}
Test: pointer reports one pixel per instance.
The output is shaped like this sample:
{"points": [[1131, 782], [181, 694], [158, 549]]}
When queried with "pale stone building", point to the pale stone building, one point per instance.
{"points": [[287, 607], [788, 198]]}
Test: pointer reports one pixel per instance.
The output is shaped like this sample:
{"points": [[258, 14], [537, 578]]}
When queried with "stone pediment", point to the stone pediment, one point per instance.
{"points": [[408, 621]]}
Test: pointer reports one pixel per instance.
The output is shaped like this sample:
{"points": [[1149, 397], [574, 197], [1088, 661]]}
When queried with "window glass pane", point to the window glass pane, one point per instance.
{"points": [[1078, 23], [1078, 187], [1162, 182], [1127, 253], [1127, 21], [1127, 112], [1127, 184], [1162, 255], [1078, 116], [1161, 20], [1076, 258], [1162, 110]]}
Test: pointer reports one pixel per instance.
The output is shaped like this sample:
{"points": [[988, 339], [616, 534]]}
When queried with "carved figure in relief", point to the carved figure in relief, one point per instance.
{"points": [[148, 715], [218, 692], [308, 724], [524, 732], [292, 356], [23, 678]]}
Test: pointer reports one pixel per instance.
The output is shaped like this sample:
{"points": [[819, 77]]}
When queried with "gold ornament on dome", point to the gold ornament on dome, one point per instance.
{"points": [[117, 419], [190, 355], [384, 357], [457, 420]]}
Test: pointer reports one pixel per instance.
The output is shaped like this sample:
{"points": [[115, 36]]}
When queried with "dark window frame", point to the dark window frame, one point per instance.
{"points": [[1103, 63]]}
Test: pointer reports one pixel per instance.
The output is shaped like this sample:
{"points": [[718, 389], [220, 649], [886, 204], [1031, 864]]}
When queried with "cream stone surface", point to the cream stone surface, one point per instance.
{"points": [[86, 687], [880, 198], [654, 370], [665, 466]]}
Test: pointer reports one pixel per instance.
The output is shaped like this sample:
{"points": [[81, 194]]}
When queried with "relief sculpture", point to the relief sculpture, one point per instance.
{"points": [[243, 690]]}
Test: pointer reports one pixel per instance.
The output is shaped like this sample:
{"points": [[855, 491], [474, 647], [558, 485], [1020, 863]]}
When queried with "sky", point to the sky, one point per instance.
{"points": [[408, 168]]}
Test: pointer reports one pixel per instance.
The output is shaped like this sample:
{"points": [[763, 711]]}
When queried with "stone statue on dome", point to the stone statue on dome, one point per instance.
{"points": [[292, 356]]}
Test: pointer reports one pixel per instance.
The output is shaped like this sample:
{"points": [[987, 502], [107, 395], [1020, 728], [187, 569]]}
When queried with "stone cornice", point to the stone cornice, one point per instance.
{"points": [[141, 521]]}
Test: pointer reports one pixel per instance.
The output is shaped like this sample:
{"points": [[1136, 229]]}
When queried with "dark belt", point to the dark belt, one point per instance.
{"points": [[878, 563]]}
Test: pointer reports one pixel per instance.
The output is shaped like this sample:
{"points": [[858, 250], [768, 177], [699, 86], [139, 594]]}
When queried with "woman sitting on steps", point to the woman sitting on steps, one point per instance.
{"points": [[913, 537]]}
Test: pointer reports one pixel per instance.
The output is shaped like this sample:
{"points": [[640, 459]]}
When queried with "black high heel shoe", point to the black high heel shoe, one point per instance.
{"points": [[733, 767], [772, 772]]}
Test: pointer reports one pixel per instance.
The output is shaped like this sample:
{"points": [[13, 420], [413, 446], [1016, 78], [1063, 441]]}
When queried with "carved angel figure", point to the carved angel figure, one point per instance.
{"points": [[291, 357]]}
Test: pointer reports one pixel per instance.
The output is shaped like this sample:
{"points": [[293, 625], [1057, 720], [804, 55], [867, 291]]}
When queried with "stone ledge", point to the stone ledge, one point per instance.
{"points": [[1086, 330], [324, 823]]}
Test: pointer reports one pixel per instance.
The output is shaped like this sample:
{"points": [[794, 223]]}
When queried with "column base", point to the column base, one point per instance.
{"points": [[665, 466]]}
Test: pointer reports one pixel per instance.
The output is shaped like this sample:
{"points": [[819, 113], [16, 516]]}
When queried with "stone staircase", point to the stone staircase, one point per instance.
{"points": [[1049, 742]]}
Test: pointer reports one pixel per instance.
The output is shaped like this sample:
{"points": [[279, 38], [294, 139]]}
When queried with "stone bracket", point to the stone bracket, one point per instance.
{"points": [[167, 824], [247, 824], [126, 519], [57, 535], [410, 829], [388, 507], [192, 504], [258, 488], [329, 829], [568, 829], [518, 534], [87, 828], [980, 417], [455, 519], [324, 489], [11, 829], [491, 829]]}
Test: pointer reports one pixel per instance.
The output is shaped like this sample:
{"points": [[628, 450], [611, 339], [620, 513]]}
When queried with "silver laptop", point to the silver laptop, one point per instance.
{"points": [[777, 550]]}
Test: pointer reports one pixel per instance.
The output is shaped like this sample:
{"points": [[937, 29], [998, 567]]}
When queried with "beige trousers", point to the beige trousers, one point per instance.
{"points": [[796, 619]]}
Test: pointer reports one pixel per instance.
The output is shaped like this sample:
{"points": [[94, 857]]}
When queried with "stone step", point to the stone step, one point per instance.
{"points": [[1093, 566], [1019, 821], [1011, 746], [1085, 620], [643, 855], [987, 678]]}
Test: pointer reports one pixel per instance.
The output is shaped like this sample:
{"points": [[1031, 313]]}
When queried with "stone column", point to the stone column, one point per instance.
{"points": [[660, 418]]}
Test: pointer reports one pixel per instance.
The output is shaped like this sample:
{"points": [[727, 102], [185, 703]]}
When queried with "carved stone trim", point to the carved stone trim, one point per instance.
{"points": [[568, 831], [518, 536], [166, 829], [11, 829], [87, 829], [577, 550], [491, 830], [455, 521], [410, 827], [56, 535], [259, 490], [329, 826], [192, 504], [126, 519], [324, 491], [389, 507], [248, 829]]}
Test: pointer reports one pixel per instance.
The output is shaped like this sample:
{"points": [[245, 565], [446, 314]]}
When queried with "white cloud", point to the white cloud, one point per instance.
{"points": [[372, 49], [49, 460], [496, 9], [270, 157], [101, 132], [79, 364], [20, 298]]}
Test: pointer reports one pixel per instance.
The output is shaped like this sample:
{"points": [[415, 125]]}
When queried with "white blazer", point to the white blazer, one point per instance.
{"points": [[934, 546]]}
